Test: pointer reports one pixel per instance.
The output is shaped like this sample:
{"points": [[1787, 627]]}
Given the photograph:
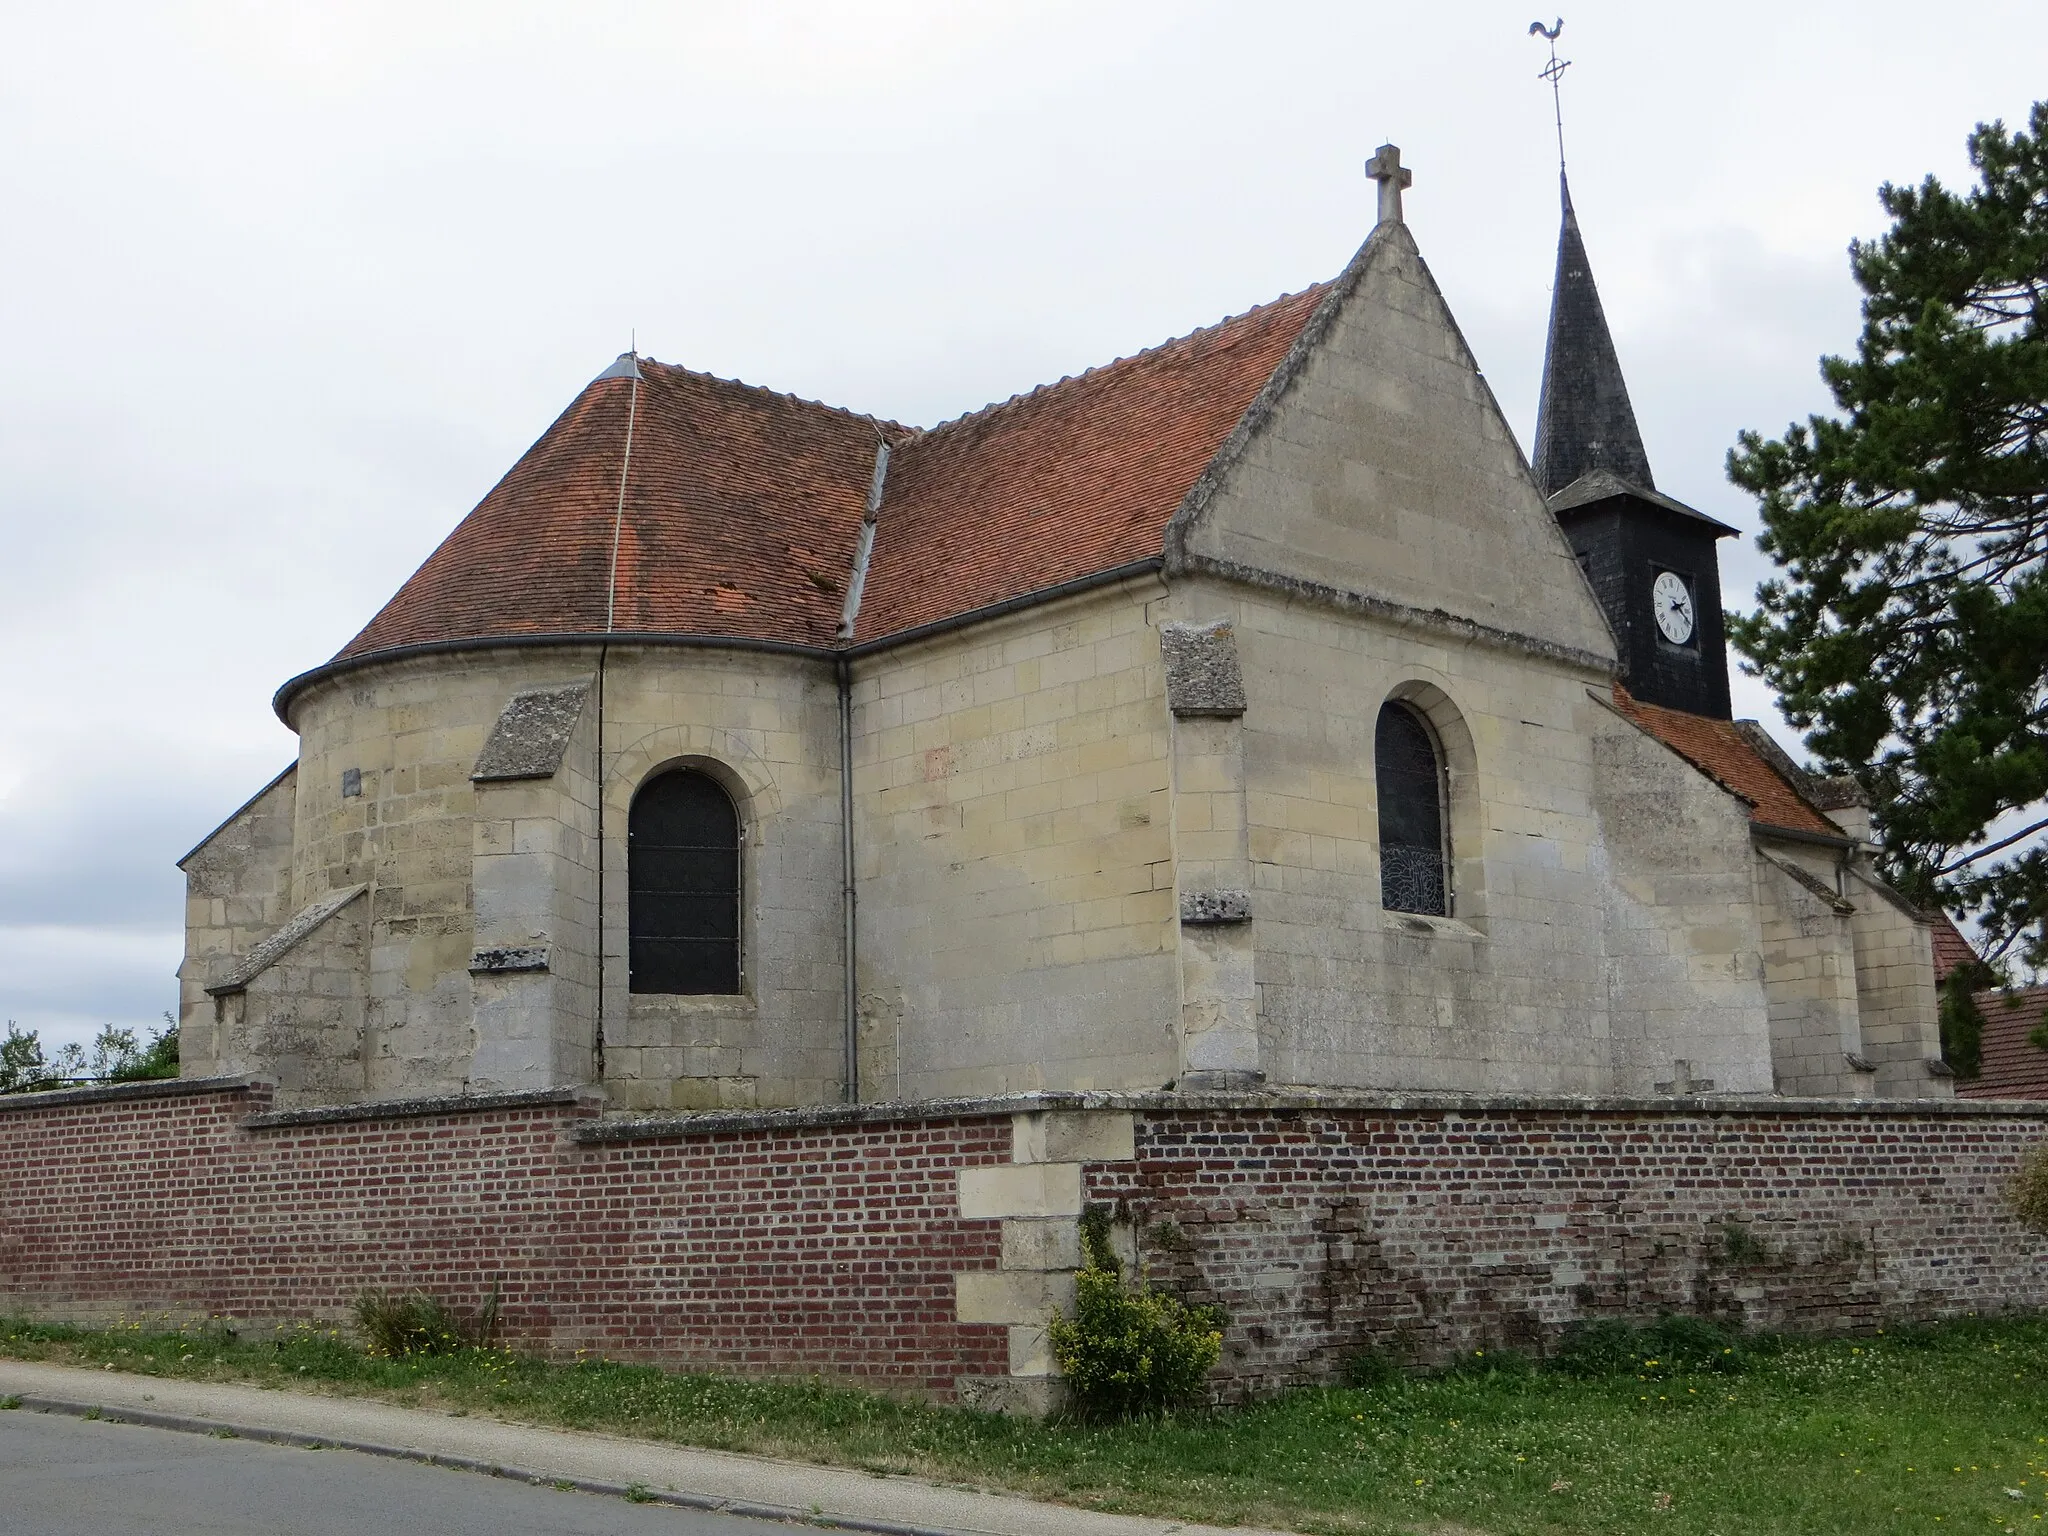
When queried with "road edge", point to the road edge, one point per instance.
{"points": [[639, 1493]]}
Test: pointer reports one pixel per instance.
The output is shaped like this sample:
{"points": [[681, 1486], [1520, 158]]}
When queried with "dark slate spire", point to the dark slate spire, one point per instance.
{"points": [[1584, 421]]}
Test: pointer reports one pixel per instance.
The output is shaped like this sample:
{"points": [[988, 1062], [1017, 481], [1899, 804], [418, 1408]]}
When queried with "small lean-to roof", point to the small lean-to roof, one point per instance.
{"points": [[1598, 485], [1717, 749], [1074, 478], [2011, 1065]]}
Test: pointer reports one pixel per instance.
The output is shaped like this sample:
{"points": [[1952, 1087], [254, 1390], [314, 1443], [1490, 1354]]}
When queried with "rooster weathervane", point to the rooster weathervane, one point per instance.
{"points": [[1553, 72]]}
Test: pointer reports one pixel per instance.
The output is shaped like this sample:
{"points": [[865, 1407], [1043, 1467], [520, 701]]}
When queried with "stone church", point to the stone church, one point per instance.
{"points": [[1249, 711]]}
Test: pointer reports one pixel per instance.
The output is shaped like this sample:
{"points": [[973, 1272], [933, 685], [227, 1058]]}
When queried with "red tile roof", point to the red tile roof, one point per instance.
{"points": [[742, 506], [740, 515], [1951, 949], [2013, 1067], [1717, 749], [1074, 478]]}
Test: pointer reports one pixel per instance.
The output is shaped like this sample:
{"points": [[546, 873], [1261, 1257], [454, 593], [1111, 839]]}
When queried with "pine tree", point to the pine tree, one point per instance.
{"points": [[1907, 630]]}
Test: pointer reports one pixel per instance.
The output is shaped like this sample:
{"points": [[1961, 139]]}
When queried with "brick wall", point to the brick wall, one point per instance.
{"points": [[833, 1241], [1430, 1232], [828, 1249]]}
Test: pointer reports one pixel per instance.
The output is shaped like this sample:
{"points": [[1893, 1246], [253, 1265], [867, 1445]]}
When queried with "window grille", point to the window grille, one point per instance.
{"points": [[683, 883], [1414, 869]]}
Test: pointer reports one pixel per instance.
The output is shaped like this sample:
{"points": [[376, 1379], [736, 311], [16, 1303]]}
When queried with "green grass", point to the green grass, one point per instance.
{"points": [[1921, 1431]]}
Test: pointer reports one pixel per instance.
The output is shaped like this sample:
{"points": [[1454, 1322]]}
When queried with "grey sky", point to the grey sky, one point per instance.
{"points": [[284, 289]]}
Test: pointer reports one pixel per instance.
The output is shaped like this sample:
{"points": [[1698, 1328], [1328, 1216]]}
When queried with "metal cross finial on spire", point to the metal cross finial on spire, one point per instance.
{"points": [[1553, 72], [1385, 167]]}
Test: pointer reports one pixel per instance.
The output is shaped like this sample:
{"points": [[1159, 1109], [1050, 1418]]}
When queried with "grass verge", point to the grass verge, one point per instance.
{"points": [[1933, 1429]]}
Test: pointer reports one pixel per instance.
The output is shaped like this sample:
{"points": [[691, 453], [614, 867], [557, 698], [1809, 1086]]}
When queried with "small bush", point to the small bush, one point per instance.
{"points": [[419, 1324], [1369, 1368], [1490, 1362], [2028, 1192], [1670, 1346], [1129, 1351]]}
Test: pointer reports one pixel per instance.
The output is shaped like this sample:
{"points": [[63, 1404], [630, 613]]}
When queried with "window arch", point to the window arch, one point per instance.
{"points": [[683, 886], [1409, 767]]}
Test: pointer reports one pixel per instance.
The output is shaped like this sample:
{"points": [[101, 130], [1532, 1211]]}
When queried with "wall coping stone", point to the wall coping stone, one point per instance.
{"points": [[104, 1093], [824, 1116], [413, 1109], [612, 1128]]}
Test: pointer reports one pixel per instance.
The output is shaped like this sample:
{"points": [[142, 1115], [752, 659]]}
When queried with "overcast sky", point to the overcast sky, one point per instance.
{"points": [[285, 288]]}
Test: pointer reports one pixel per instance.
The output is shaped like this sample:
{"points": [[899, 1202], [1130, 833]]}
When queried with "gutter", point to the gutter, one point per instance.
{"points": [[1797, 835], [282, 701]]}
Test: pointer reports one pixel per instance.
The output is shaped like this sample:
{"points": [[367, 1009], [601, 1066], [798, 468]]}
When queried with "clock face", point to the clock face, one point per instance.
{"points": [[1672, 600]]}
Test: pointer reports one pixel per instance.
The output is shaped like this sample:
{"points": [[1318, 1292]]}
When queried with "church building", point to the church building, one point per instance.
{"points": [[1245, 713]]}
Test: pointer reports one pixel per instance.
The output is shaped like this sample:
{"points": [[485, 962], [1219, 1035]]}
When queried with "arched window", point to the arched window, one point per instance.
{"points": [[683, 883], [1414, 872]]}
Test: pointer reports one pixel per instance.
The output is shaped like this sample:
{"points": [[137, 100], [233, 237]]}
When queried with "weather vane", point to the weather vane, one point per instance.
{"points": [[1553, 72]]}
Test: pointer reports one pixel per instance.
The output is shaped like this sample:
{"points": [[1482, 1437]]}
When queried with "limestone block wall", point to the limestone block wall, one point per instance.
{"points": [[534, 877], [1016, 903], [1683, 928], [767, 728], [1810, 976], [459, 868], [1384, 467], [238, 890], [1603, 934], [1895, 994], [385, 755], [300, 1021]]}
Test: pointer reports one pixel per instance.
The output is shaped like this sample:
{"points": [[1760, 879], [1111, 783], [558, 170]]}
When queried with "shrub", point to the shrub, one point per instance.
{"points": [[1670, 1346], [1369, 1368], [419, 1324], [2028, 1191], [1129, 1351]]}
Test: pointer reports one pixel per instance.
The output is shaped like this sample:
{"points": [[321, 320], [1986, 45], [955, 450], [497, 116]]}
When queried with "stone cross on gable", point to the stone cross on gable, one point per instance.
{"points": [[1385, 167]]}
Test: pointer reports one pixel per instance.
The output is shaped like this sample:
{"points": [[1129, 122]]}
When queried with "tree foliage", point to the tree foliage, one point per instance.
{"points": [[114, 1057], [1907, 632]]}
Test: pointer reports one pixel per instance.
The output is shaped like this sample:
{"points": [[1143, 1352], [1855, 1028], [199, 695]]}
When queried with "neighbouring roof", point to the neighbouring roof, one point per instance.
{"points": [[1721, 750], [2013, 1067], [1951, 949], [742, 507], [1584, 420]]}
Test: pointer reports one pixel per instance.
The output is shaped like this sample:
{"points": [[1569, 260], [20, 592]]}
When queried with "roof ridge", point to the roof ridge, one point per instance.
{"points": [[880, 423], [1022, 396]]}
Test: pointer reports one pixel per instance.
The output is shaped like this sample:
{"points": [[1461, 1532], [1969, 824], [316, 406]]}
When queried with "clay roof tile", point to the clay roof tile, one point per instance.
{"points": [[1718, 749], [742, 506], [2011, 1065]]}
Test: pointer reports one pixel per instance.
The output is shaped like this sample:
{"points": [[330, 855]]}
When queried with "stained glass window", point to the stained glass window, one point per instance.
{"points": [[683, 879], [1410, 772]]}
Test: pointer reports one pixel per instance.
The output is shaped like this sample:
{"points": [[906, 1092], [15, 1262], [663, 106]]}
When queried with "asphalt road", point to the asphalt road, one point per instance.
{"points": [[63, 1476]]}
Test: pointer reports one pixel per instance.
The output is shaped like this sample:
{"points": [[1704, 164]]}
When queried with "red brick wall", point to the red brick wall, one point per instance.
{"points": [[829, 1250], [791, 1244], [1426, 1234]]}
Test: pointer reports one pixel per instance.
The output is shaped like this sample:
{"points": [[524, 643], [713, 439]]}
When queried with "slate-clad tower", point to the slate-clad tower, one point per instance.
{"points": [[1651, 560]]}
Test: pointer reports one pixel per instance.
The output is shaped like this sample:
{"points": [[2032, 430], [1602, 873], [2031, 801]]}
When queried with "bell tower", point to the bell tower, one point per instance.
{"points": [[1653, 561]]}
